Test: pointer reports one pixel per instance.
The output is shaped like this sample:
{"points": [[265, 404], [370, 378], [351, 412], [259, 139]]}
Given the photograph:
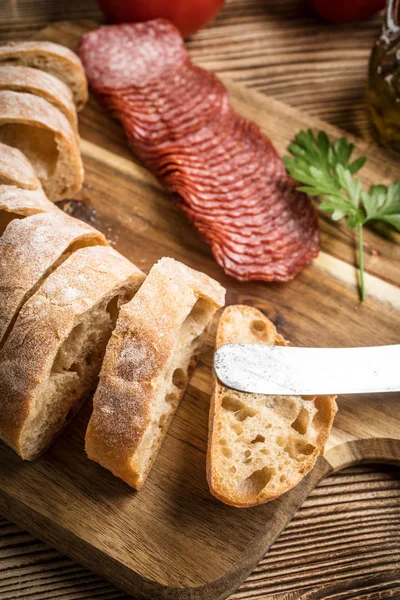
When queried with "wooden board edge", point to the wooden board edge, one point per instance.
{"points": [[289, 504], [132, 583], [378, 450], [68, 543], [369, 450]]}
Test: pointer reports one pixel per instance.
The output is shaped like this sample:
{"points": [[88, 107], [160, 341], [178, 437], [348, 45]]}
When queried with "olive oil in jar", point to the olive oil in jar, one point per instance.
{"points": [[383, 92]]}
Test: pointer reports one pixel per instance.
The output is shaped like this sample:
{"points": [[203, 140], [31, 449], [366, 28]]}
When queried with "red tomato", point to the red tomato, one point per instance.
{"points": [[345, 11], [187, 15]]}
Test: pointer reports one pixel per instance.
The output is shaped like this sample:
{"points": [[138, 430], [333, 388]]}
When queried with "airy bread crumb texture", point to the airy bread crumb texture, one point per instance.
{"points": [[51, 359], [261, 446], [149, 359], [31, 248], [41, 132], [73, 375], [171, 384]]}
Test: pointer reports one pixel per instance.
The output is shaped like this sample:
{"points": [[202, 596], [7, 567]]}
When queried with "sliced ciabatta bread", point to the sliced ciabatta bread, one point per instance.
{"points": [[15, 169], [46, 137], [148, 361], [52, 58], [53, 354], [261, 446], [34, 81], [17, 203], [30, 249]]}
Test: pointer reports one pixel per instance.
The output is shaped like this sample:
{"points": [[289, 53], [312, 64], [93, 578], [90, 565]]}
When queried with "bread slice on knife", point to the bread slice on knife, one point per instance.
{"points": [[45, 136], [52, 58], [150, 356], [51, 359], [30, 249], [261, 446], [34, 81]]}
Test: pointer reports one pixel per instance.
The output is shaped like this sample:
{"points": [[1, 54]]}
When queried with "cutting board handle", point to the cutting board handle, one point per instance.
{"points": [[371, 450]]}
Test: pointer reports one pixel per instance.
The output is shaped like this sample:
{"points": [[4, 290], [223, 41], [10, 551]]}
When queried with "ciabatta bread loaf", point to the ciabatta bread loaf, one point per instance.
{"points": [[34, 81], [55, 59], [261, 446], [149, 358], [53, 354], [45, 136], [15, 169], [30, 249]]}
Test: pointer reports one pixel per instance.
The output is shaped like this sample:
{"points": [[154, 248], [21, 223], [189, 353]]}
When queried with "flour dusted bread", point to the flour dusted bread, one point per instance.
{"points": [[52, 58], [261, 446], [30, 249], [17, 203], [45, 136], [20, 202], [15, 169], [34, 81], [52, 356], [21, 192], [149, 358]]}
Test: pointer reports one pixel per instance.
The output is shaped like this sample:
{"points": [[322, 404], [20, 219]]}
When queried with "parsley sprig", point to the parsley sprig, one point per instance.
{"points": [[325, 169]]}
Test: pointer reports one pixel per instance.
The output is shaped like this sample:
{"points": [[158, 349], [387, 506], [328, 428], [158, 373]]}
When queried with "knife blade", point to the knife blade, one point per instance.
{"points": [[277, 370]]}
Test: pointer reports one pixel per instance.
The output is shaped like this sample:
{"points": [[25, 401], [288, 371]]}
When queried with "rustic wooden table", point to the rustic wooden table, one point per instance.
{"points": [[344, 542]]}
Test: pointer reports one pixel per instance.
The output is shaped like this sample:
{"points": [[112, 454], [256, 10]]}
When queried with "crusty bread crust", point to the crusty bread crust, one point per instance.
{"points": [[137, 368], [261, 446], [88, 277], [52, 58], [25, 202], [40, 83], [29, 249], [55, 158], [15, 169]]}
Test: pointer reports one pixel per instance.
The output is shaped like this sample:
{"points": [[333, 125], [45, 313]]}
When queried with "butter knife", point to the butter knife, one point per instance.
{"points": [[276, 370]]}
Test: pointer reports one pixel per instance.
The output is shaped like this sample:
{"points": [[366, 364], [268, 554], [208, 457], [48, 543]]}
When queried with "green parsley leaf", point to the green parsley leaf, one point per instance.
{"points": [[383, 204], [325, 169]]}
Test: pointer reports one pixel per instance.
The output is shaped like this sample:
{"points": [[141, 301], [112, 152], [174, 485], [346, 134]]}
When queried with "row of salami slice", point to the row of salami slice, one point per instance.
{"points": [[224, 173]]}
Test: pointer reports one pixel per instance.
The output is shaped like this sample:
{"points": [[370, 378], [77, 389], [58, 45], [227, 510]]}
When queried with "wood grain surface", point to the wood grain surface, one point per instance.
{"points": [[281, 33], [342, 542]]}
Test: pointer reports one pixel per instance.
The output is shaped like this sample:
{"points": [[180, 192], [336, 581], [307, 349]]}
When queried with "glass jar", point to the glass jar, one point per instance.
{"points": [[383, 92]]}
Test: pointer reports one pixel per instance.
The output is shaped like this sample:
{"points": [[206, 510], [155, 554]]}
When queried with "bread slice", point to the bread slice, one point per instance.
{"points": [[45, 136], [30, 249], [53, 354], [22, 202], [150, 356], [261, 446], [15, 169], [52, 58], [17, 203], [34, 81]]}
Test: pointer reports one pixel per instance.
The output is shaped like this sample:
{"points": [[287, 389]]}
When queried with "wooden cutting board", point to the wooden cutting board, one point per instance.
{"points": [[173, 539]]}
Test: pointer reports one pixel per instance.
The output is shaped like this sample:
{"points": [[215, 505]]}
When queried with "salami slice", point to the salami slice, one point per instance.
{"points": [[222, 171]]}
